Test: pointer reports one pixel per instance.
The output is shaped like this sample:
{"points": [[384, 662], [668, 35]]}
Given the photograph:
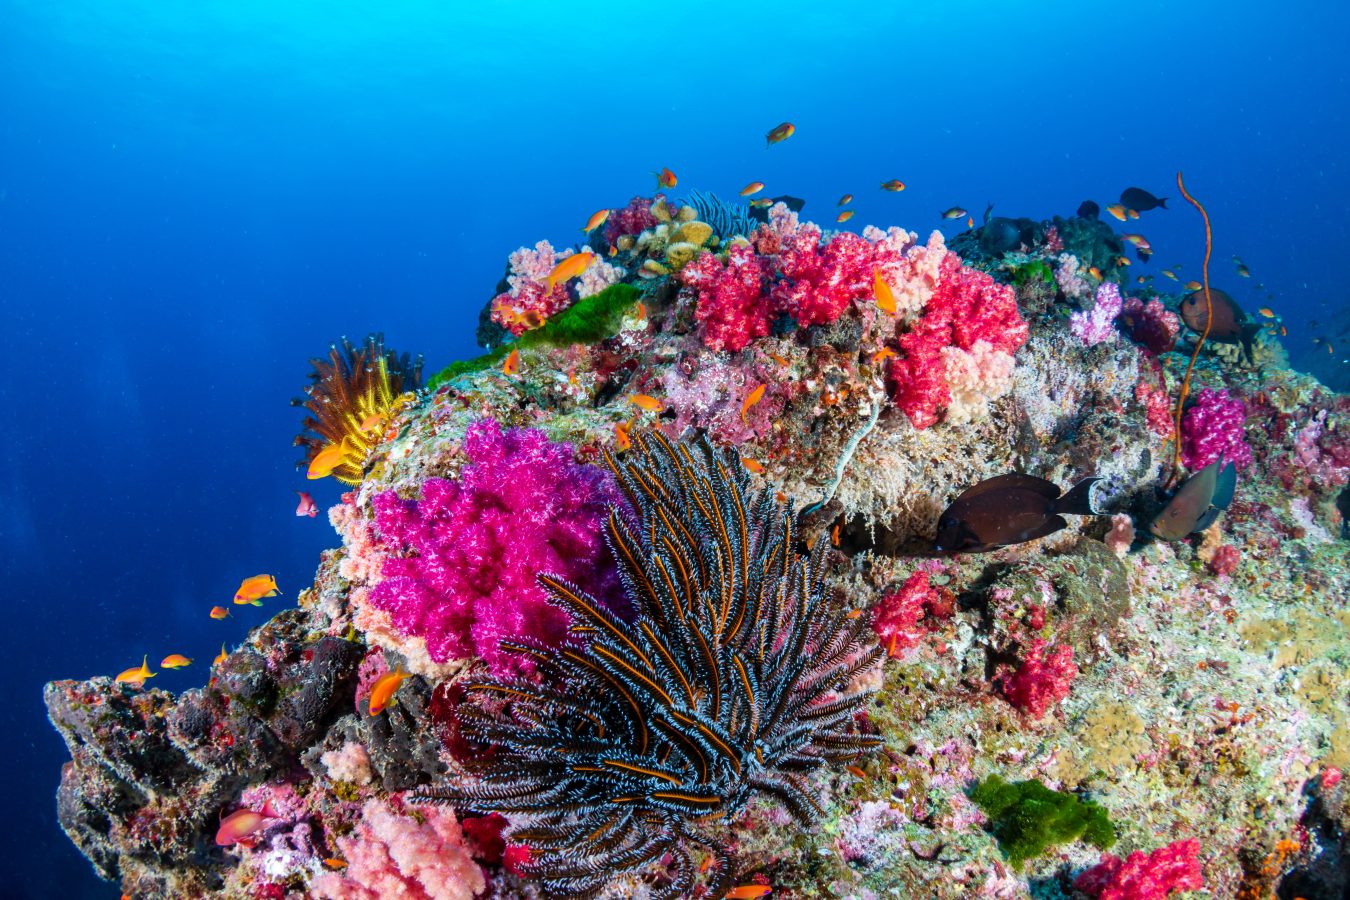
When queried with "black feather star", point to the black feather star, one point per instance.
{"points": [[729, 682]]}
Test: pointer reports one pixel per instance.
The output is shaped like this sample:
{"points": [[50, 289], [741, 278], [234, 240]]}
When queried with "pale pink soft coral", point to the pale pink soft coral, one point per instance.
{"points": [[1042, 680], [1145, 876], [529, 302], [1321, 453], [1212, 427], [598, 276], [1069, 277], [1121, 534], [465, 557], [350, 762], [393, 854], [974, 378], [1157, 408], [1098, 325]]}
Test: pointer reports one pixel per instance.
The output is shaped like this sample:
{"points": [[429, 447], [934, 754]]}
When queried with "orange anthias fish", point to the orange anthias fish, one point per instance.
{"points": [[221, 658], [781, 133], [750, 400], [643, 401], [1118, 210], [955, 212], [753, 187], [1139, 241], [1132, 213], [252, 590], [883, 353], [135, 676], [326, 460], [511, 365], [621, 438], [382, 693], [335, 864], [1193, 285], [762, 203], [844, 216], [307, 506], [241, 826], [970, 221], [219, 612], [666, 178], [596, 220], [748, 892], [570, 268], [845, 200], [752, 465], [882, 292], [1267, 312], [1095, 272], [174, 661], [895, 184]]}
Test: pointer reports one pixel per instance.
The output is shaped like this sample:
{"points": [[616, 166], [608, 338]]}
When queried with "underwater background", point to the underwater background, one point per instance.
{"points": [[195, 199]]}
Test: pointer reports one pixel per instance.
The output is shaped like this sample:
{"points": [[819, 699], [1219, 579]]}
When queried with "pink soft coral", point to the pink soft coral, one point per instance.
{"points": [[1213, 426], [463, 561], [1145, 876], [1150, 325], [1098, 325], [898, 615], [966, 306], [632, 219], [1042, 680], [732, 307], [393, 854]]}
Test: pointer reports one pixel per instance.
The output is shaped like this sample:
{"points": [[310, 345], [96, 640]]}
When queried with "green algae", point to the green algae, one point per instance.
{"points": [[588, 321], [1028, 818]]}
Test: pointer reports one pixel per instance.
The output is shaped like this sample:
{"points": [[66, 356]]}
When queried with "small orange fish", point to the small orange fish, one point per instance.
{"points": [[135, 676], [174, 661], [1193, 285], [834, 535], [570, 267], [1122, 260], [613, 251], [240, 826], [752, 465], [641, 310], [307, 506], [970, 221], [881, 290], [1267, 312], [335, 864], [750, 400], [895, 184], [748, 892], [781, 133], [1095, 273], [1330, 350], [666, 178], [252, 590], [219, 612], [883, 353], [1139, 241], [643, 401], [221, 658], [326, 460], [781, 360], [761, 203], [844, 216], [372, 421], [855, 613], [511, 365], [955, 212], [1284, 332], [855, 771], [1118, 210], [596, 220], [382, 693], [753, 187], [845, 200], [1244, 271], [621, 438], [1132, 213], [1140, 279], [1170, 274]]}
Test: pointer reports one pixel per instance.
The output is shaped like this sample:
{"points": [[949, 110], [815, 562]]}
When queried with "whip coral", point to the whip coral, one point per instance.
{"points": [[1042, 680], [1212, 427], [471, 547], [731, 681], [352, 395], [392, 854], [1144, 876]]}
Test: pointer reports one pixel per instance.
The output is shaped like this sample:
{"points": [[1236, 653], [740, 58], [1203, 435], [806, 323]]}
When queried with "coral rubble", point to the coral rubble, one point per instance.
{"points": [[540, 550]]}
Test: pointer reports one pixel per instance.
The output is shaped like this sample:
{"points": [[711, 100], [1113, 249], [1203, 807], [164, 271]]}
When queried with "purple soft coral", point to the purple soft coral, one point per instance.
{"points": [[521, 506], [1212, 427]]}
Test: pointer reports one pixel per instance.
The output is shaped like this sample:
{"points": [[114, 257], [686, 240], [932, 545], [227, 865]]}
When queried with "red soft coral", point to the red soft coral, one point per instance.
{"points": [[1042, 680], [899, 615], [1145, 876], [732, 306]]}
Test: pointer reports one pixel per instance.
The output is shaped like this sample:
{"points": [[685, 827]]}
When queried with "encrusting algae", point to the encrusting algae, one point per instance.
{"points": [[657, 597]]}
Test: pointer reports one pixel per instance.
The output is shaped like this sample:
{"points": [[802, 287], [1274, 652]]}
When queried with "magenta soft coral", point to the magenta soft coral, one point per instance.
{"points": [[465, 556], [732, 307], [1213, 426], [1042, 680], [1145, 876], [632, 219], [966, 306]]}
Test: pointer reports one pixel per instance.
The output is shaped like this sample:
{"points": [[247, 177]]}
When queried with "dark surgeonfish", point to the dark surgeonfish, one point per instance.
{"points": [[1230, 323], [1009, 509], [1197, 503], [1089, 209], [1141, 200], [1343, 507]]}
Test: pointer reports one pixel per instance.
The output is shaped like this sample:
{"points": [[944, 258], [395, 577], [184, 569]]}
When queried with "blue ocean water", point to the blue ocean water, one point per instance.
{"points": [[196, 198]]}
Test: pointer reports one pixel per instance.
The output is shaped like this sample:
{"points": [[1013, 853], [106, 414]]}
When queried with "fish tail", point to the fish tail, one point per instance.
{"points": [[1248, 333], [1162, 201], [1078, 501]]}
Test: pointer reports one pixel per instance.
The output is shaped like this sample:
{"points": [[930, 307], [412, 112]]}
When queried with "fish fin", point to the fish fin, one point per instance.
{"points": [[1224, 486], [1078, 501], [1046, 528], [1031, 483], [1206, 520], [1249, 332], [1162, 202]]}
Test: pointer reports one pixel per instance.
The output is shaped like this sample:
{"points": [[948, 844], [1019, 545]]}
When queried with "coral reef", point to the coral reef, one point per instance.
{"points": [[854, 384]]}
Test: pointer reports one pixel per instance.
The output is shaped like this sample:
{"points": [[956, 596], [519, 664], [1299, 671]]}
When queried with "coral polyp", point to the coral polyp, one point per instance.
{"points": [[353, 395], [733, 680]]}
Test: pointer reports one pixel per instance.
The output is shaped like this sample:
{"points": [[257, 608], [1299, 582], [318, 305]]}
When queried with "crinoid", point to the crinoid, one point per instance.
{"points": [[731, 681], [353, 395]]}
